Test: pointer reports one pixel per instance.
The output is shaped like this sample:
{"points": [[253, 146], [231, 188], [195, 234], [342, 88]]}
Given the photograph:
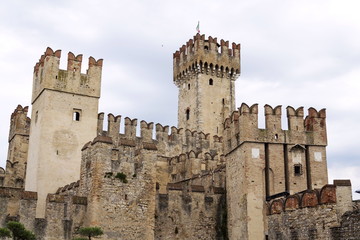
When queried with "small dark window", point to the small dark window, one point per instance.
{"points": [[36, 116], [187, 114], [211, 82], [223, 101], [19, 183], [76, 116], [206, 47], [276, 137], [189, 86], [297, 170]]}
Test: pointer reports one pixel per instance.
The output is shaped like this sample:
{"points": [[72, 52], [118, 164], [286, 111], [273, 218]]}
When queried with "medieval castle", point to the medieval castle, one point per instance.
{"points": [[214, 176]]}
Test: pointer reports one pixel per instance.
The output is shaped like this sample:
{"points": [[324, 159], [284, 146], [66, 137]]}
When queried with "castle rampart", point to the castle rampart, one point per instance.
{"points": [[242, 126], [200, 56], [301, 213], [47, 75], [169, 144], [190, 215]]}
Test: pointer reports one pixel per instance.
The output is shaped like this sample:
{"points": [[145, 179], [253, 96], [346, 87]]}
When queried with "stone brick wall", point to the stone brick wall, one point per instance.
{"points": [[2, 176], [9, 204], [120, 191], [314, 214], [190, 213], [245, 189], [349, 228]]}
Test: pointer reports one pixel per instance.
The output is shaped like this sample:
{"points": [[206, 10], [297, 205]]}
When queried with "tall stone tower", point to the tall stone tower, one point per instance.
{"points": [[63, 119], [205, 73]]}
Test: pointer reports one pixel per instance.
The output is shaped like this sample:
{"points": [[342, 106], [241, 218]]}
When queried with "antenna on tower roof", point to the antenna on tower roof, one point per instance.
{"points": [[198, 27]]}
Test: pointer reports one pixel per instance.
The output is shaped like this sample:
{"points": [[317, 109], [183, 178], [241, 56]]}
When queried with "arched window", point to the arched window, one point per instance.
{"points": [[211, 82], [189, 86], [187, 114], [76, 115]]}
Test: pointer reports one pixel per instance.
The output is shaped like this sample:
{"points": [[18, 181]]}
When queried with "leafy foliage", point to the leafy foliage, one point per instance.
{"points": [[4, 232], [19, 232], [91, 231], [122, 177]]}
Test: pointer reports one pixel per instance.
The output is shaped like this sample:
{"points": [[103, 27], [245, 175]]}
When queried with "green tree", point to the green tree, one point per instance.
{"points": [[19, 232], [91, 232], [4, 232]]}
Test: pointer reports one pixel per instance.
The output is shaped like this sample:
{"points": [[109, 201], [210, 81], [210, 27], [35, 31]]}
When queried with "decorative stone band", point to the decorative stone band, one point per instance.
{"points": [[307, 198], [26, 195], [193, 188], [79, 200], [55, 198]]}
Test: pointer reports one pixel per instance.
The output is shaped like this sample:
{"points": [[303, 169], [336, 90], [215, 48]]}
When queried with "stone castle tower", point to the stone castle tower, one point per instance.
{"points": [[205, 73], [64, 118], [18, 148]]}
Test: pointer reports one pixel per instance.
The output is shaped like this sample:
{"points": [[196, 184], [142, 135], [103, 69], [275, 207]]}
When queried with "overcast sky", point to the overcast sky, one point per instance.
{"points": [[298, 53]]}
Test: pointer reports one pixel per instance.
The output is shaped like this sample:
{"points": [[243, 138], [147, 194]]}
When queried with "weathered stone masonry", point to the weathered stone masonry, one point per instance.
{"points": [[215, 176]]}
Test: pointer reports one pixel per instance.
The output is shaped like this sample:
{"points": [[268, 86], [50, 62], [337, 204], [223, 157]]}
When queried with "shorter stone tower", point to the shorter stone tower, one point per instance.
{"points": [[64, 118], [18, 148], [263, 164], [205, 73]]}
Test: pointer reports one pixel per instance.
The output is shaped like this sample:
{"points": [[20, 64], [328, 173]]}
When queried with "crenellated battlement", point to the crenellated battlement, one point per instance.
{"points": [[242, 126], [19, 122], [206, 56], [190, 164], [169, 140], [48, 75], [69, 189], [326, 213], [308, 198]]}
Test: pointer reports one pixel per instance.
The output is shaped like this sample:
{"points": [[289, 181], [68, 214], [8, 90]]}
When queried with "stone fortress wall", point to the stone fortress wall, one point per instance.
{"points": [[205, 179], [326, 213]]}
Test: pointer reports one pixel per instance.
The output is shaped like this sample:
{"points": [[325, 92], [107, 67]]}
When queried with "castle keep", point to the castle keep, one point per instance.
{"points": [[216, 175]]}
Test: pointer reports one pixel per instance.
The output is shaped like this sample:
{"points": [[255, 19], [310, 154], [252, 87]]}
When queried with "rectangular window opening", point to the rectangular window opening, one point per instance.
{"points": [[76, 115]]}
